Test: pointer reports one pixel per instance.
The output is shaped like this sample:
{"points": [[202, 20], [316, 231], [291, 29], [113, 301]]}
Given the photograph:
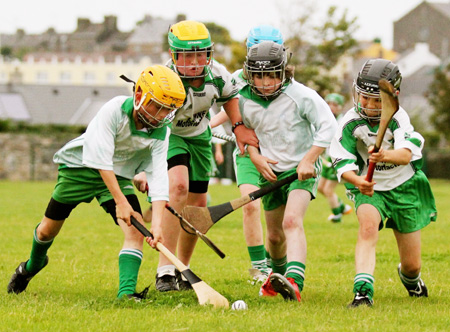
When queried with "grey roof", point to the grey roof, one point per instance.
{"points": [[12, 106], [413, 96], [443, 7], [418, 83], [151, 31], [49, 104]]}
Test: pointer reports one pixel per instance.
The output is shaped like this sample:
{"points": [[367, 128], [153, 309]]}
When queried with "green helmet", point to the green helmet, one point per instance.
{"points": [[190, 37], [335, 98]]}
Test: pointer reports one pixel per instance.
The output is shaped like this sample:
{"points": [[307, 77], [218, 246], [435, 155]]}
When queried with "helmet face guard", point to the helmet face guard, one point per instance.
{"points": [[191, 48], [193, 63], [365, 87], [159, 86], [266, 59], [358, 95], [155, 122]]}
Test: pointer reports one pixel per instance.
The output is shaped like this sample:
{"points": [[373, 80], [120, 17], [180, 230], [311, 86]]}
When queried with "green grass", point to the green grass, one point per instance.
{"points": [[76, 291]]}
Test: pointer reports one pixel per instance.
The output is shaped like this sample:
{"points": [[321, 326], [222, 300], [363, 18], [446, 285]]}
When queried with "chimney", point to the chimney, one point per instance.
{"points": [[110, 23], [83, 24]]}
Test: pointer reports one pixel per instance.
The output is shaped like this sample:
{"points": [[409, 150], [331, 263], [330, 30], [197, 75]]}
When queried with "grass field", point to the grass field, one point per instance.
{"points": [[76, 291]]}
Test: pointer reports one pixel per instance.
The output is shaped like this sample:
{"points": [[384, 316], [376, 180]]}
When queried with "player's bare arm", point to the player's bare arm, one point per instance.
{"points": [[398, 157], [262, 164], [305, 168], [364, 186], [123, 208], [140, 182], [218, 119], [156, 229], [243, 134]]}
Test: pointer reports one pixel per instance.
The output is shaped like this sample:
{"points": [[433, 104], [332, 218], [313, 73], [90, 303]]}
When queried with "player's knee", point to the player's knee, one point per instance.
{"points": [[252, 208], [132, 235], [328, 192], [368, 232], [179, 190], [291, 222], [275, 238], [46, 233]]}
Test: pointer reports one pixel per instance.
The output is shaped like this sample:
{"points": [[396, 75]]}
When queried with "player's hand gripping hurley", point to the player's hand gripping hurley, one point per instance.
{"points": [[390, 105], [205, 293]]}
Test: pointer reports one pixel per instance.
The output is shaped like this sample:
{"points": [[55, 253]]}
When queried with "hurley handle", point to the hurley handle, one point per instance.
{"points": [[272, 187]]}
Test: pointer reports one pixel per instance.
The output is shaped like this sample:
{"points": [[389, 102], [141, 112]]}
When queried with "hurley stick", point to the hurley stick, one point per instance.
{"points": [[203, 218], [224, 137], [389, 105], [192, 230], [205, 293]]}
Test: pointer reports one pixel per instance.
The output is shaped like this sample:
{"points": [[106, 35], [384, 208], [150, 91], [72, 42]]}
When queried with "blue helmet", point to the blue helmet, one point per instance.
{"points": [[264, 33]]}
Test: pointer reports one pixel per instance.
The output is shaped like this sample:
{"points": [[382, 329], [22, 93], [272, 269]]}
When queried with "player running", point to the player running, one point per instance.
{"points": [[247, 176], [399, 194], [127, 136], [294, 126], [190, 153]]}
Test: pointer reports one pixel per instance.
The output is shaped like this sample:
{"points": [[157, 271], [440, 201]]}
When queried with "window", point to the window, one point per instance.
{"points": [[65, 77], [42, 77], [89, 77]]}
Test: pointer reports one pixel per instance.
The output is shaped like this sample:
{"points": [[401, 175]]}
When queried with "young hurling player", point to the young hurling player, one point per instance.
{"points": [[294, 126], [190, 153], [127, 136], [399, 193], [328, 180], [247, 176]]}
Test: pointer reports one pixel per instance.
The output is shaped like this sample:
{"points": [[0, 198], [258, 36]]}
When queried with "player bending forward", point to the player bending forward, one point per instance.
{"points": [[294, 126], [127, 136], [400, 192]]}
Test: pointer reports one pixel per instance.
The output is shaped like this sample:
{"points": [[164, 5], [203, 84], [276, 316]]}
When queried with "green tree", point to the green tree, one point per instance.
{"points": [[439, 98], [318, 49], [219, 34], [6, 51]]}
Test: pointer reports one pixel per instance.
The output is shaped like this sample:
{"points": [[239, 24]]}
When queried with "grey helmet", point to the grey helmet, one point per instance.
{"points": [[266, 58], [366, 84]]}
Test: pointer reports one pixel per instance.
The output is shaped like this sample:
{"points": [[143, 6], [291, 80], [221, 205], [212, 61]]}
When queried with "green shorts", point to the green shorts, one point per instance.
{"points": [[328, 173], [407, 208], [246, 172], [279, 197], [199, 150], [77, 185]]}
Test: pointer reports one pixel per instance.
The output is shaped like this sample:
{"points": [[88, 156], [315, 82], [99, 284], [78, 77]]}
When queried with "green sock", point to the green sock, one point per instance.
{"points": [[340, 208], [363, 283], [268, 259], [279, 265], [409, 282], [38, 253], [258, 258], [296, 270], [129, 264]]}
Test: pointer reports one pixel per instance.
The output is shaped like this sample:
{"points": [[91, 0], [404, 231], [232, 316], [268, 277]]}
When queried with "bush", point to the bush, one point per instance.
{"points": [[8, 126]]}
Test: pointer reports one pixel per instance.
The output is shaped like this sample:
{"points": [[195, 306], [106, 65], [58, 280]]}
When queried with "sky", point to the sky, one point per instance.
{"points": [[375, 18]]}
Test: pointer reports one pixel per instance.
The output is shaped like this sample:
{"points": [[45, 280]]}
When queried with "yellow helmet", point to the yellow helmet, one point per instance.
{"points": [[163, 86]]}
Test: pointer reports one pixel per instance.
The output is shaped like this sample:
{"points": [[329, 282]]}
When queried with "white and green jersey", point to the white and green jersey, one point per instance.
{"points": [[288, 125], [349, 148], [239, 79], [192, 119], [112, 142], [326, 154]]}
